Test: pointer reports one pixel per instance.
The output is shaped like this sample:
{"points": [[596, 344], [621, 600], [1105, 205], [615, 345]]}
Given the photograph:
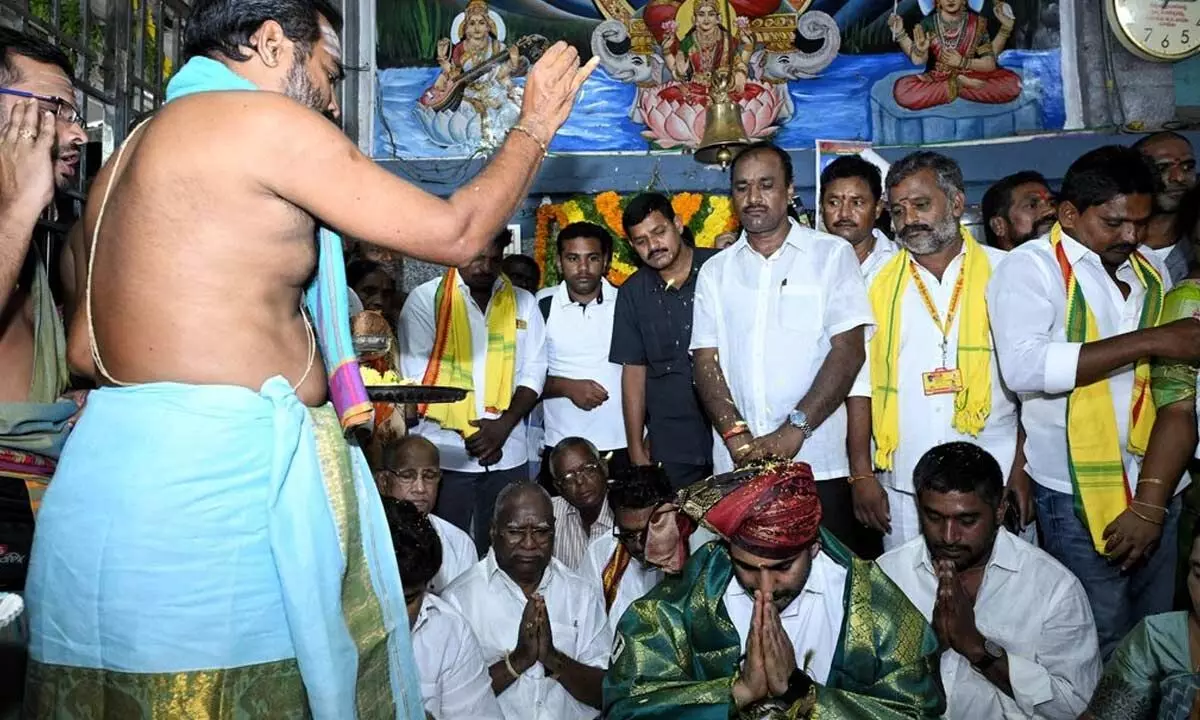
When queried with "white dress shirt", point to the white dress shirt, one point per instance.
{"points": [[637, 580], [458, 553], [812, 621], [1027, 302], [455, 684], [578, 338], [883, 251], [418, 321], [570, 539], [771, 321], [926, 421], [492, 603], [1033, 607]]}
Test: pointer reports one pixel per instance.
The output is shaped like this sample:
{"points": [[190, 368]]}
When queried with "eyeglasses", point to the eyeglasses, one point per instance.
{"points": [[408, 478], [64, 110], [576, 477], [541, 534], [630, 536]]}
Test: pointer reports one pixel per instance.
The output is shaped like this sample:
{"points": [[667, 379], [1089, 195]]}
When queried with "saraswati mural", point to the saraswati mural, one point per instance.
{"points": [[887, 71]]}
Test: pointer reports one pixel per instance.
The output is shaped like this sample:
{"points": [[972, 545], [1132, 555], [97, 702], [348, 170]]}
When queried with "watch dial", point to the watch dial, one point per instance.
{"points": [[1167, 30]]}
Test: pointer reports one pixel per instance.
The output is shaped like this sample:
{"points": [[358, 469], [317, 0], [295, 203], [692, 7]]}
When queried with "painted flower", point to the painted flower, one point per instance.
{"points": [[671, 123]]}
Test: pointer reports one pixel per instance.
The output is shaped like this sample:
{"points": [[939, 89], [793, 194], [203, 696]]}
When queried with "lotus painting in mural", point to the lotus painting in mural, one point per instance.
{"points": [[886, 71]]}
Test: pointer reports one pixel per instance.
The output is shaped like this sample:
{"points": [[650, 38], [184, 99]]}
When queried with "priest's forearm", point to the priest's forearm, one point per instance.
{"points": [[833, 381], [714, 390]]}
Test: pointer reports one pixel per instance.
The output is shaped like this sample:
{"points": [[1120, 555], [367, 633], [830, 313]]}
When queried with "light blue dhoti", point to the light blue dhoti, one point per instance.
{"points": [[212, 552]]}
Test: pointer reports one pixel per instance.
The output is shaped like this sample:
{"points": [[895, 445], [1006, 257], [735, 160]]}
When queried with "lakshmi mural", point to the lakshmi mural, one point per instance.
{"points": [[912, 71]]}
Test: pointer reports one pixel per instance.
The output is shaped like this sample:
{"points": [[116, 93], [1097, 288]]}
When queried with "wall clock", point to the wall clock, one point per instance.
{"points": [[1159, 30]]}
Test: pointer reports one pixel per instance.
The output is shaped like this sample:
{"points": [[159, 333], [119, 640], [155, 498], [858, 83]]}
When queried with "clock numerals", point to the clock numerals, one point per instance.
{"points": [[1149, 32], [1183, 37], [1166, 42]]}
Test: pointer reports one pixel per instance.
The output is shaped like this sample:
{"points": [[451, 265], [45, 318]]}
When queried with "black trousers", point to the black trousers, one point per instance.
{"points": [[467, 500], [837, 516]]}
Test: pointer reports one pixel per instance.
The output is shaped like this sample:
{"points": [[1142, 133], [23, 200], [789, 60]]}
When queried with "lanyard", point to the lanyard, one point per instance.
{"points": [[942, 326]]}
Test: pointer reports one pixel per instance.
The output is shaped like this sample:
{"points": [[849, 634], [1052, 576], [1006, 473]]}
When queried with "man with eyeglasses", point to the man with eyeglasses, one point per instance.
{"points": [[40, 140], [616, 563], [542, 627], [580, 514], [412, 472]]}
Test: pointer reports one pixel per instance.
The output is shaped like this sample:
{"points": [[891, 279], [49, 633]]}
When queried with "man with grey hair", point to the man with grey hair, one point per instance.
{"points": [[543, 630], [581, 513], [931, 374]]}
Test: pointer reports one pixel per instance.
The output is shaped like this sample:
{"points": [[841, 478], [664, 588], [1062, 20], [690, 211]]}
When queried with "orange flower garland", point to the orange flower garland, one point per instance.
{"points": [[686, 205], [608, 204]]}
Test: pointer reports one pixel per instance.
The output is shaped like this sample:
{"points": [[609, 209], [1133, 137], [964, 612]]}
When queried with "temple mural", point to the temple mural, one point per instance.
{"points": [[885, 71]]}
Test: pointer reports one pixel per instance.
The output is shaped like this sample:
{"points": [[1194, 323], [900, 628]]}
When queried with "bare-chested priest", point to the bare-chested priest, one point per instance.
{"points": [[210, 540]]}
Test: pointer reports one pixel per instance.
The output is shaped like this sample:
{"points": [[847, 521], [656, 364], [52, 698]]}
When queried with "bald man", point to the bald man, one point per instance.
{"points": [[412, 472]]}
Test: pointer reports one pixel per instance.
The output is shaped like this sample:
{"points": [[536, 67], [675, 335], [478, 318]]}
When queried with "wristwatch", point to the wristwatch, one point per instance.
{"points": [[799, 420], [991, 653]]}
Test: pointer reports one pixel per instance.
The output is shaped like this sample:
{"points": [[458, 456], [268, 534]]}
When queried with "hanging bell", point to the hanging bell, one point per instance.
{"points": [[724, 135]]}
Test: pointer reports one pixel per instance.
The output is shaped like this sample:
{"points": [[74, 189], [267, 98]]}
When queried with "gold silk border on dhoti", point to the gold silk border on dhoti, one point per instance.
{"points": [[268, 691]]}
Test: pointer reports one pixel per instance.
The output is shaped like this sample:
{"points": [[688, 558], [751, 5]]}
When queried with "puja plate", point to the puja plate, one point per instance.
{"points": [[414, 394]]}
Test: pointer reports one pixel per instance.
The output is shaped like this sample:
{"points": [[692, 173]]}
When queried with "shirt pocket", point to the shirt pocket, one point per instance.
{"points": [[801, 310], [566, 637]]}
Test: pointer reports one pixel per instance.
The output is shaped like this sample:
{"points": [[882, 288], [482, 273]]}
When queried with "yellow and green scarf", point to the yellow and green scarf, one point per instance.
{"points": [[1093, 442], [451, 363], [972, 404]]}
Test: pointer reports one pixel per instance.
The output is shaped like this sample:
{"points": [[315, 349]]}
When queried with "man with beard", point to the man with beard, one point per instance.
{"points": [[581, 514], [1017, 209], [207, 521], [1075, 317], [1175, 165], [783, 296], [932, 377], [1015, 627], [651, 332], [851, 203], [471, 328], [775, 617], [542, 628], [582, 396]]}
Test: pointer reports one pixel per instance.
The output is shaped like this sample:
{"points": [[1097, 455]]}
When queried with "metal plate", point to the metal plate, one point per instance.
{"points": [[409, 394]]}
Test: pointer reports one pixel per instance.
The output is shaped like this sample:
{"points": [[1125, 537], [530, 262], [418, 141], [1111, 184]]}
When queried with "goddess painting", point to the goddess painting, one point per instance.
{"points": [[707, 46], [959, 57]]}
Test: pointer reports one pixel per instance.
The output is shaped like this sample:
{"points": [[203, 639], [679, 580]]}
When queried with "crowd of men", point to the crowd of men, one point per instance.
{"points": [[886, 470]]}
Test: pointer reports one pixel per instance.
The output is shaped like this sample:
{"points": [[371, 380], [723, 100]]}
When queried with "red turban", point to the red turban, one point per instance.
{"points": [[771, 511]]}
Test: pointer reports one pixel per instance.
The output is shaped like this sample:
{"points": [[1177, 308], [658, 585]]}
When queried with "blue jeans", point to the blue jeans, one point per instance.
{"points": [[1119, 600]]}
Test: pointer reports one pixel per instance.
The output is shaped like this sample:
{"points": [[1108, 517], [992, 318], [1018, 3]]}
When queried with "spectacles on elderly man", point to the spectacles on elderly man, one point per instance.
{"points": [[63, 109], [582, 473], [409, 477]]}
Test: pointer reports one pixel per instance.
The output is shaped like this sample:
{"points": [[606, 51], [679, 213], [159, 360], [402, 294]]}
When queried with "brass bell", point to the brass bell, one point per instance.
{"points": [[724, 135]]}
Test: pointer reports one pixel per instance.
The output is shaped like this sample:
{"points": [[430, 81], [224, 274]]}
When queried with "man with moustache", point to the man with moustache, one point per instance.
{"points": [[196, 450], [651, 333], [851, 203], [1015, 627], [775, 619], [582, 395], [932, 376], [783, 296], [1017, 209], [1175, 165], [542, 627], [1075, 317]]}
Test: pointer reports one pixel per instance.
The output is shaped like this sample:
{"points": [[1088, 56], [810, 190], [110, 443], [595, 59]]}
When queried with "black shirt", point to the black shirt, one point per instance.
{"points": [[652, 326]]}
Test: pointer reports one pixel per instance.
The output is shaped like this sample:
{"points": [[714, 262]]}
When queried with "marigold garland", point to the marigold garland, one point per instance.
{"points": [[707, 216]]}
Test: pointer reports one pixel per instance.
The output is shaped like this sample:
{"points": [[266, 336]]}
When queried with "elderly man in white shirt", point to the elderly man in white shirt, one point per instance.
{"points": [[412, 473], [930, 304], [1018, 631], [542, 627], [485, 446], [778, 335], [1102, 354], [454, 680], [582, 397]]}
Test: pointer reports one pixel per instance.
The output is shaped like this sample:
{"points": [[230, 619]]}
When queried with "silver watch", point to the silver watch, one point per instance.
{"points": [[799, 420]]}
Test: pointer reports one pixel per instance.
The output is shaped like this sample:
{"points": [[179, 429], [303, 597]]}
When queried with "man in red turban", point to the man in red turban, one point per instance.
{"points": [[761, 620]]}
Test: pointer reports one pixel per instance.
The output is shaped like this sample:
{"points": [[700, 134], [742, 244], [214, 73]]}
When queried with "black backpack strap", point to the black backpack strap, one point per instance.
{"points": [[544, 305]]}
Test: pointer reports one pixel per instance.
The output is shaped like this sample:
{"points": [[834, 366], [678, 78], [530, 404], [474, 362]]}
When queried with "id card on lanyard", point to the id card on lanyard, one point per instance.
{"points": [[941, 380]]}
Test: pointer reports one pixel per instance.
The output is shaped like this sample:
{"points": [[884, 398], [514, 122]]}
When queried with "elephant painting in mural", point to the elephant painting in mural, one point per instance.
{"points": [[816, 29], [612, 44]]}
